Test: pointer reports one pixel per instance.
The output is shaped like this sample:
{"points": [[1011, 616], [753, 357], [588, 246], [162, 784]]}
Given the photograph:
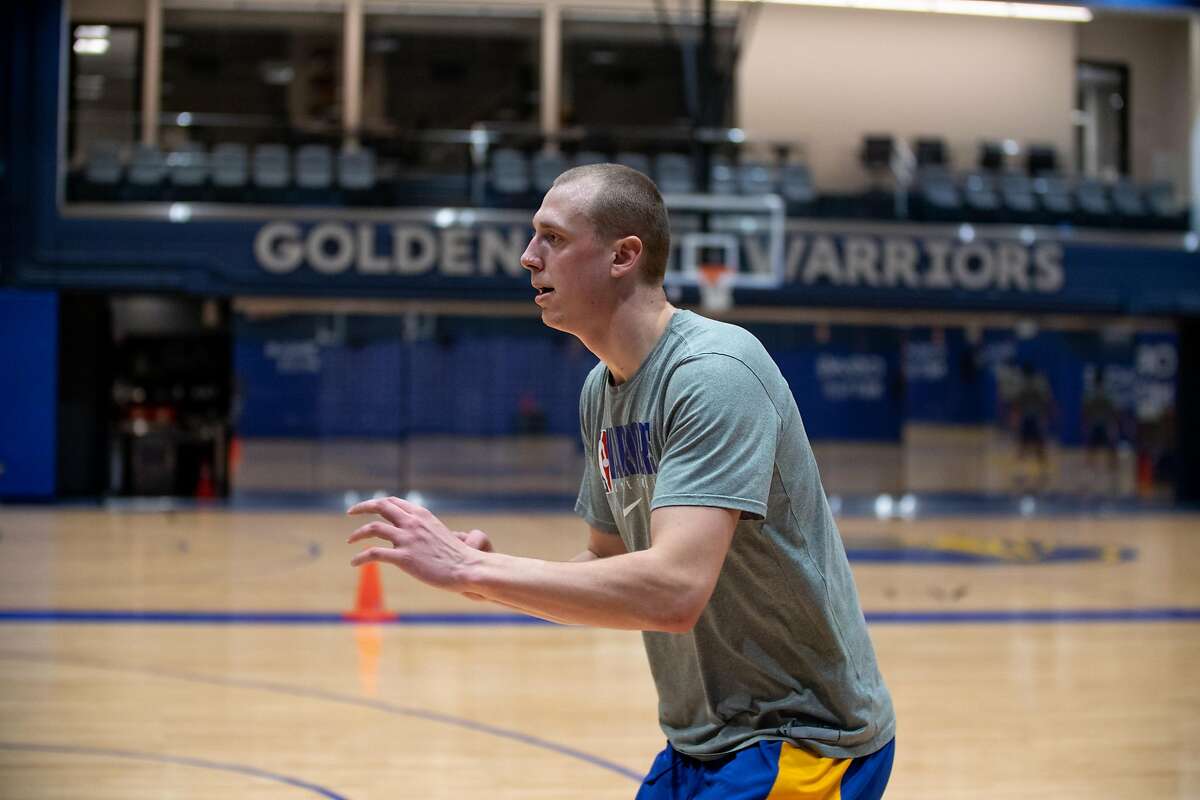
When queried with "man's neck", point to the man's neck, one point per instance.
{"points": [[634, 328]]}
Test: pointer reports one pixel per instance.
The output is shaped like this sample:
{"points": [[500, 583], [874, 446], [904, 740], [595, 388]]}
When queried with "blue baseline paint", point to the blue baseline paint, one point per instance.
{"points": [[251, 617], [351, 700], [1036, 616], [932, 555], [67, 616], [201, 763]]}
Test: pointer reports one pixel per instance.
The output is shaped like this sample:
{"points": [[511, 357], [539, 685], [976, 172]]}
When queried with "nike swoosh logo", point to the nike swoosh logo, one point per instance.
{"points": [[630, 507]]}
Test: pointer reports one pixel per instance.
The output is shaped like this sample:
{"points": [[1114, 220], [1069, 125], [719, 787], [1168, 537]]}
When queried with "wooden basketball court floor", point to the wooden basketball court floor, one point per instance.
{"points": [[199, 653]]}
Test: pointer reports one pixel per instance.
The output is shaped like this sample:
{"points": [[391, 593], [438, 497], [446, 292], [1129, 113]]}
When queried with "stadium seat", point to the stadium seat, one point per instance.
{"points": [[1127, 201], [722, 177], [886, 171], [187, 170], [314, 166], [102, 172], [546, 166], [796, 186], [638, 161], [103, 163], [147, 172], [755, 177], [1041, 159], [1092, 202], [1054, 197], [673, 173], [229, 166], [1164, 208], [1016, 192], [876, 152], [147, 167], [271, 173], [508, 172], [939, 196], [930, 152], [980, 197], [991, 156], [356, 175], [356, 169]]}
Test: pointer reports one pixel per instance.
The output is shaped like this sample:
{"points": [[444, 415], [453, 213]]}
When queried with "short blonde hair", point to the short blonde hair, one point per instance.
{"points": [[626, 203]]}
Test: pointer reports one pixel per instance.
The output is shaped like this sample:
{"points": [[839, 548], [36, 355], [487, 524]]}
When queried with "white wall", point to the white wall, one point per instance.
{"points": [[1156, 52], [828, 76]]}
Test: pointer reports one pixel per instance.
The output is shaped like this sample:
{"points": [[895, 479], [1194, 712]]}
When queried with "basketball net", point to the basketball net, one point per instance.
{"points": [[716, 287]]}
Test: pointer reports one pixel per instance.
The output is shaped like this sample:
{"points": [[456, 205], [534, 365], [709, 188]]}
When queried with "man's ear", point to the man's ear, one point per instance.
{"points": [[627, 254]]}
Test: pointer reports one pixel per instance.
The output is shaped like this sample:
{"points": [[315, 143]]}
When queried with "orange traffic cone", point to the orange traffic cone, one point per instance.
{"points": [[1145, 475], [234, 455], [368, 606], [205, 489]]}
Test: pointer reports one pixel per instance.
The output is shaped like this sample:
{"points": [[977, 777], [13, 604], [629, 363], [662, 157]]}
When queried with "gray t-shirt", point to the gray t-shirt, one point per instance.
{"points": [[781, 651]]}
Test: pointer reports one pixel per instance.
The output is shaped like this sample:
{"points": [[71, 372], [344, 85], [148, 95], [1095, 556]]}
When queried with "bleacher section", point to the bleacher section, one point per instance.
{"points": [[917, 183]]}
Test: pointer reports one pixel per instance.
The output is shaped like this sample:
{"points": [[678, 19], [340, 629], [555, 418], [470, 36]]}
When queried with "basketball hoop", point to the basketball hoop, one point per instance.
{"points": [[725, 242], [716, 286]]}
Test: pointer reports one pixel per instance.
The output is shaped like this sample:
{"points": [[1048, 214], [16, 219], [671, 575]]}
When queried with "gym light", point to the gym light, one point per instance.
{"points": [[91, 31], [91, 47], [980, 8]]}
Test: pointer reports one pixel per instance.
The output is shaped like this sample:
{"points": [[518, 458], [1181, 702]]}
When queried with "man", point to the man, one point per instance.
{"points": [[709, 527], [1101, 420], [1031, 408]]}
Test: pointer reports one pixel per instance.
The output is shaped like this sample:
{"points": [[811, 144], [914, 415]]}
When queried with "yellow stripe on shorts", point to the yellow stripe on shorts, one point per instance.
{"points": [[805, 776]]}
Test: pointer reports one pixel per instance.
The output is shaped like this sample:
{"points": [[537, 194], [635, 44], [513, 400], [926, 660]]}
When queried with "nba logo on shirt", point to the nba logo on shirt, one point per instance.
{"points": [[623, 452], [605, 462]]}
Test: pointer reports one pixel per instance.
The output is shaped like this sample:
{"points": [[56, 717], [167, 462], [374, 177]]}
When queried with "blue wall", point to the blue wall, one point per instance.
{"points": [[29, 393], [308, 376]]}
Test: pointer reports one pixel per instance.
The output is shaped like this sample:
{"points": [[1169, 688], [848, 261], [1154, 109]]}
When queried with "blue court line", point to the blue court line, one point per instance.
{"points": [[1035, 616], [935, 617], [18, 615], [474, 726], [202, 763], [1037, 554]]}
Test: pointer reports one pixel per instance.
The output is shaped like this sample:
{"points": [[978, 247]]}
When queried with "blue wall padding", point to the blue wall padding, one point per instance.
{"points": [[312, 376], [368, 377], [28, 399], [846, 384]]}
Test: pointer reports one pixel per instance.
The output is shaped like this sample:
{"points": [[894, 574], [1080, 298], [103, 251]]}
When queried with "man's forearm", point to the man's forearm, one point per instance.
{"points": [[529, 611], [633, 591], [586, 555]]}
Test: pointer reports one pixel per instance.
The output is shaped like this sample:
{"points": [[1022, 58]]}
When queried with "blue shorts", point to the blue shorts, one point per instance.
{"points": [[1031, 431], [768, 771]]}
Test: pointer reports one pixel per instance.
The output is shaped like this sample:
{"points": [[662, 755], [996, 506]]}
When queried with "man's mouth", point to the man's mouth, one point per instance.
{"points": [[542, 290]]}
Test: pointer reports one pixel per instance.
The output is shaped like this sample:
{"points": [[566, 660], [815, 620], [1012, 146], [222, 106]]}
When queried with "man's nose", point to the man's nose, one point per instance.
{"points": [[530, 261]]}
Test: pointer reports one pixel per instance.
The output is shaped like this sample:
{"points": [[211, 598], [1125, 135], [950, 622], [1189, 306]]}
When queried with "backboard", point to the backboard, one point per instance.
{"points": [[744, 233]]}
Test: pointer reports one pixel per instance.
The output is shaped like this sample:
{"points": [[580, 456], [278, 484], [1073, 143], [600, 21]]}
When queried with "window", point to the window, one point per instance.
{"points": [[622, 72], [105, 87], [449, 72], [252, 76], [426, 78]]}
